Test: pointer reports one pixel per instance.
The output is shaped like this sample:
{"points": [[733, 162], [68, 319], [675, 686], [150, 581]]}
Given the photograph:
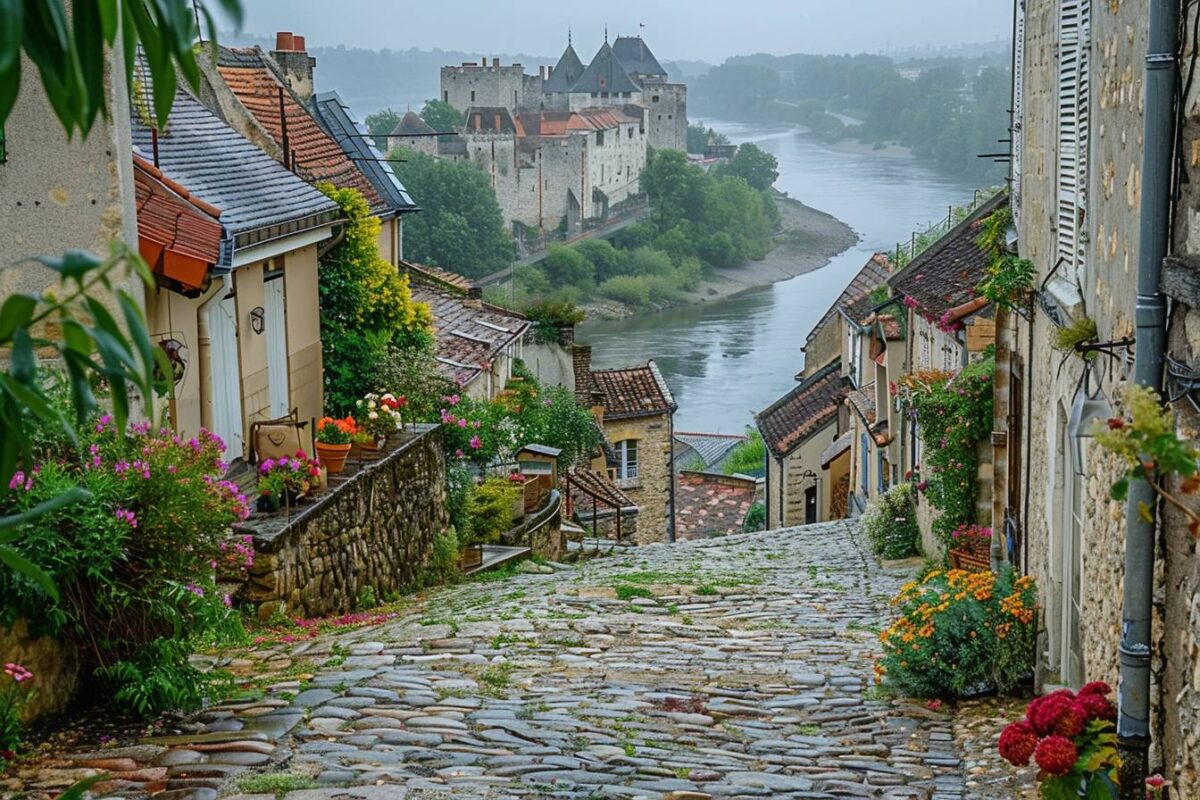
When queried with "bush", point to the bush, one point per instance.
{"points": [[606, 260], [627, 289], [662, 288], [748, 457], [550, 315], [565, 266], [756, 518], [960, 633], [491, 509], [890, 523], [719, 250], [645, 261]]}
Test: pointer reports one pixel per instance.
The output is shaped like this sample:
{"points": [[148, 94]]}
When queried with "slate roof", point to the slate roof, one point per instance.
{"points": [[221, 167], [636, 57], [710, 448], [711, 505], [334, 117], [566, 72], [606, 73], [411, 124], [634, 392], [168, 215], [945, 275], [469, 334], [855, 299], [805, 410], [318, 157]]}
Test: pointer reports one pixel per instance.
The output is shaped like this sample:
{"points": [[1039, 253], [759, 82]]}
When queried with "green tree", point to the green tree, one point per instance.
{"points": [[442, 117], [754, 165], [675, 188], [380, 124], [566, 266], [698, 138], [607, 261], [460, 227]]}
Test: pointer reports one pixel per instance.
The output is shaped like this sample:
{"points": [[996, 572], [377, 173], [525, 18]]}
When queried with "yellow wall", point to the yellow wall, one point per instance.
{"points": [[305, 368]]}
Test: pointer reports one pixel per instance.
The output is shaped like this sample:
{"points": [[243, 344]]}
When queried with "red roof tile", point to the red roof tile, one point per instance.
{"points": [[172, 223], [804, 411], [318, 156], [634, 392], [709, 505], [855, 300]]}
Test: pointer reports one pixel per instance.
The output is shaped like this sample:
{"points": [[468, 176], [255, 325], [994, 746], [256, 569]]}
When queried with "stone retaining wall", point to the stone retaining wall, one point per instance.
{"points": [[375, 529], [55, 666]]}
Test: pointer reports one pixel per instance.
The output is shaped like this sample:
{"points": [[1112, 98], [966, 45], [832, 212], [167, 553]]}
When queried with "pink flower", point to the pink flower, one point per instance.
{"points": [[194, 589], [17, 672], [228, 601], [126, 516], [462, 423], [20, 481], [475, 443]]}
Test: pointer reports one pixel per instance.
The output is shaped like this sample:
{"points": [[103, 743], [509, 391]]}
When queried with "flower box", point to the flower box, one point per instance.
{"points": [[470, 557], [971, 559]]}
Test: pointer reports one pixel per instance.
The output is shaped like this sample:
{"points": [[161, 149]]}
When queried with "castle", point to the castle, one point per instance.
{"points": [[564, 147]]}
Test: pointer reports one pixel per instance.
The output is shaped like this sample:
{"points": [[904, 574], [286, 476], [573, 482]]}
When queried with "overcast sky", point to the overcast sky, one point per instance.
{"points": [[709, 30]]}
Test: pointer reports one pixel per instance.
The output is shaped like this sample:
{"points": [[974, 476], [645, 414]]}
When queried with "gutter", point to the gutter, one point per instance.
{"points": [[1158, 137]]}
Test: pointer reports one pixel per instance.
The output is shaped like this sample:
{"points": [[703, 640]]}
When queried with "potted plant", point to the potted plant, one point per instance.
{"points": [[377, 419], [283, 481], [396, 405], [333, 442], [971, 548]]}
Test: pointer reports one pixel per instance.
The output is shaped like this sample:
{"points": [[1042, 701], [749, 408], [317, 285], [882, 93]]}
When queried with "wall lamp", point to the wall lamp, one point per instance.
{"points": [[258, 319]]}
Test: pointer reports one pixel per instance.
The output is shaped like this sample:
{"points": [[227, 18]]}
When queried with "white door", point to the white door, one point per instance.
{"points": [[277, 348], [226, 372], [1072, 573]]}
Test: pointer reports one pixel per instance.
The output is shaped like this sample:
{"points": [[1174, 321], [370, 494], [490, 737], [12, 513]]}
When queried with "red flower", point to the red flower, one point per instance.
{"points": [[1116, 423], [1095, 706], [1056, 755], [1044, 712], [1017, 743], [1073, 721], [1096, 687]]}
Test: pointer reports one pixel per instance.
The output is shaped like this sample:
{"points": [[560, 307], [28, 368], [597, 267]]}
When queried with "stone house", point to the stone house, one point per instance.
{"points": [[1080, 96]]}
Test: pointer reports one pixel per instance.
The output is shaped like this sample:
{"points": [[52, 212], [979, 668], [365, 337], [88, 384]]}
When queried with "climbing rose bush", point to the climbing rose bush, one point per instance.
{"points": [[958, 633], [1072, 740]]}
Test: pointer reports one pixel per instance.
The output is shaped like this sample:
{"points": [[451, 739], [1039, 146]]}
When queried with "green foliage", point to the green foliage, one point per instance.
{"points": [[1009, 280], [548, 316], [411, 370], [366, 598], [955, 415], [16, 689], [69, 44], [158, 678], [276, 783], [890, 523], [380, 124], [748, 457], [630, 592], [756, 518], [442, 116], [459, 484], [626, 289], [460, 227], [491, 509], [566, 266], [1080, 331], [753, 165], [699, 137], [606, 260], [366, 306], [959, 633]]}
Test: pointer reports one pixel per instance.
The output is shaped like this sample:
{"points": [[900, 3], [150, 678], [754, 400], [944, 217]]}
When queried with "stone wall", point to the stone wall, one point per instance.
{"points": [[651, 489], [374, 529], [489, 85], [54, 664], [666, 115]]}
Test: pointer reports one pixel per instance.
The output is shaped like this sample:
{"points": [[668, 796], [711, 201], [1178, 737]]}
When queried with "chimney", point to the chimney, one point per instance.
{"points": [[495, 62], [497, 116], [475, 121], [549, 72], [295, 64], [474, 297], [542, 72], [581, 370]]}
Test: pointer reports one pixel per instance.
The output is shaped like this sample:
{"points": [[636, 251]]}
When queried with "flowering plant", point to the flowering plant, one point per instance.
{"points": [[1072, 739], [16, 692], [958, 632], [336, 431], [516, 478], [971, 537], [377, 416], [286, 476]]}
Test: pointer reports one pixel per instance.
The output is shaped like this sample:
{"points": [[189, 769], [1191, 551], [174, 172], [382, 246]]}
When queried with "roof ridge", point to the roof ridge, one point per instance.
{"points": [[985, 209], [823, 372]]}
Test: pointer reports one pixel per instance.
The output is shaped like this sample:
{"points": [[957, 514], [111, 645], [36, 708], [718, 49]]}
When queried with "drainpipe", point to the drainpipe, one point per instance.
{"points": [[1158, 136], [671, 474]]}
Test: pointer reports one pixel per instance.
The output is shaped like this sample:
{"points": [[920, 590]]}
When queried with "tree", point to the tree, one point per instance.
{"points": [[380, 124], [442, 117], [566, 266], [753, 164], [460, 227], [698, 138], [607, 261]]}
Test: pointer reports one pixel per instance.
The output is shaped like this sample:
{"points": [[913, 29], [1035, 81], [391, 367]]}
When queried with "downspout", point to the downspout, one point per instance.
{"points": [[1158, 136], [767, 494], [671, 475]]}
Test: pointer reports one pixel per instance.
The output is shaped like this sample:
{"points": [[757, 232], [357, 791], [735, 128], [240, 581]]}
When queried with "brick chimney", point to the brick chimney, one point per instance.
{"points": [[542, 72], [581, 369], [474, 297], [495, 62], [295, 63], [549, 72]]}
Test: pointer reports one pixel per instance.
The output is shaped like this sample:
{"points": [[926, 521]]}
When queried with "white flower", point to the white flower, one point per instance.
{"points": [[372, 415]]}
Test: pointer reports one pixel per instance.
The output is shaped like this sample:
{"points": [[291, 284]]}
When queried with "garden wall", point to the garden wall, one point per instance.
{"points": [[55, 666], [374, 529]]}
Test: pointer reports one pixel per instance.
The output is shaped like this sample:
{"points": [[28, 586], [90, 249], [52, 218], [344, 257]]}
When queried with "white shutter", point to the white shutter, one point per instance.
{"points": [[1073, 43], [1018, 123]]}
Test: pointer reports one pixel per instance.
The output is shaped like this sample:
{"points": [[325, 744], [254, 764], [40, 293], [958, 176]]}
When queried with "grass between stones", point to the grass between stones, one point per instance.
{"points": [[276, 783]]}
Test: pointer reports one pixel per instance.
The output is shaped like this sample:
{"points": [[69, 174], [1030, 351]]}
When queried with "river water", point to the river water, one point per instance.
{"points": [[727, 359]]}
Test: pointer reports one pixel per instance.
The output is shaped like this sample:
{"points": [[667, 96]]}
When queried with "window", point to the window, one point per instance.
{"points": [[654, 98], [864, 465], [446, 96], [627, 459], [472, 95], [1074, 37], [3, 147], [854, 356], [599, 138]]}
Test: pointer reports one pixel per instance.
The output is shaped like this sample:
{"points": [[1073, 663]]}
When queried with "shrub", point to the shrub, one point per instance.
{"points": [[960, 632], [719, 250], [756, 518], [645, 261], [550, 315], [748, 457], [16, 688], [491, 509], [606, 260], [627, 289], [890, 523], [661, 288], [565, 266]]}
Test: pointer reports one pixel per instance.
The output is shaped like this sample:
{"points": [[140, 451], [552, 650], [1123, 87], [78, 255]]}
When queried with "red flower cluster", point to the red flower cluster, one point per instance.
{"points": [[1052, 723]]}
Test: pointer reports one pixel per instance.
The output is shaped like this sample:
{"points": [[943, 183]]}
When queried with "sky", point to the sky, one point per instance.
{"points": [[708, 30]]}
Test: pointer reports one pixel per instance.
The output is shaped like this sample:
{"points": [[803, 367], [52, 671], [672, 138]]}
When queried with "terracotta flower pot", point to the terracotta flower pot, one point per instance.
{"points": [[333, 456]]}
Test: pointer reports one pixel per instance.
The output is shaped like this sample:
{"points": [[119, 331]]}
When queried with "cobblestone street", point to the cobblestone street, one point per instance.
{"points": [[734, 667]]}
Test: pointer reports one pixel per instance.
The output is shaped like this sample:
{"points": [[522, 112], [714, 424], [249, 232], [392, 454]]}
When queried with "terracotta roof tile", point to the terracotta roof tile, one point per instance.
{"points": [[708, 505], [589, 482], [855, 300], [945, 275], [318, 156], [803, 411], [168, 215], [634, 392], [862, 400]]}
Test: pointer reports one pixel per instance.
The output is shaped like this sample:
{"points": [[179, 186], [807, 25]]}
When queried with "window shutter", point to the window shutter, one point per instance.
{"points": [[1074, 28], [1018, 104]]}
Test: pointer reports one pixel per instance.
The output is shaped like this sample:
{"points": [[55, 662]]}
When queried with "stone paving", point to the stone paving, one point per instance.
{"points": [[730, 668]]}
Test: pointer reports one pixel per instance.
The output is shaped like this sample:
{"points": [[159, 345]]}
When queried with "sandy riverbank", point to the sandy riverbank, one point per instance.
{"points": [[808, 240]]}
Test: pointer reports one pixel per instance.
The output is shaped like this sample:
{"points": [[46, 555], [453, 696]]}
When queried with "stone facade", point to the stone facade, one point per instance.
{"points": [[55, 665], [375, 529], [489, 84], [651, 489], [666, 115]]}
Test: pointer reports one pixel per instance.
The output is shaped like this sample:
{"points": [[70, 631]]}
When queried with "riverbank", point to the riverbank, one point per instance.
{"points": [[808, 239]]}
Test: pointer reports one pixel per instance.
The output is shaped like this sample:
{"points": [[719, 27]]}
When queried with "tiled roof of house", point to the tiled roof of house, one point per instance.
{"points": [[606, 73], [489, 119], [855, 299], [411, 124], [709, 505], [634, 392], [334, 117], [798, 415], [565, 72], [947, 273], [221, 167], [862, 400], [636, 57], [168, 215], [598, 484], [318, 157], [710, 448], [469, 333], [836, 448]]}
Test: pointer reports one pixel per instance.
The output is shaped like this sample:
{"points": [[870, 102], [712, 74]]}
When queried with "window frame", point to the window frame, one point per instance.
{"points": [[628, 469]]}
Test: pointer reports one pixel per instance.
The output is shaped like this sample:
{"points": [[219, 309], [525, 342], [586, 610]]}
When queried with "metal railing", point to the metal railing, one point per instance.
{"points": [[921, 240]]}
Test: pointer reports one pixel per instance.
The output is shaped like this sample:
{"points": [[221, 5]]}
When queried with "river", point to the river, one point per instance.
{"points": [[727, 359]]}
